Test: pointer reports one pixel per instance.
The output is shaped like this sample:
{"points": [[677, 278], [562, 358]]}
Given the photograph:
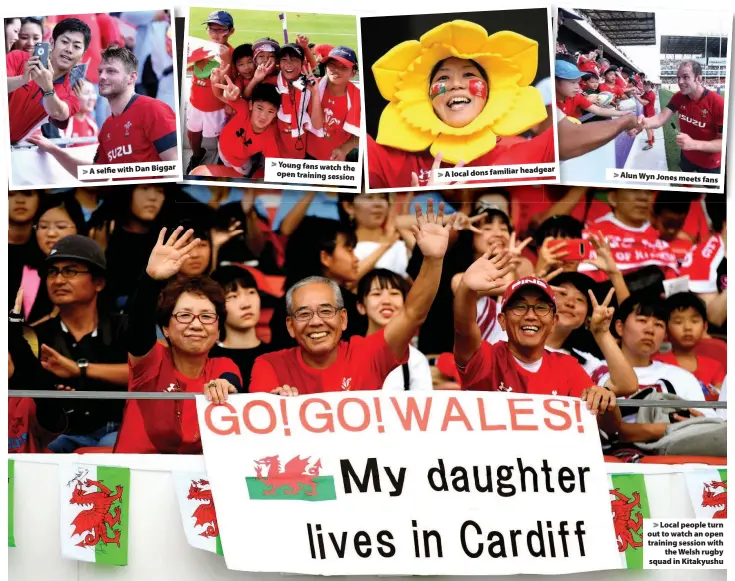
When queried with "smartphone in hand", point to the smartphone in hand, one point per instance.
{"points": [[577, 249], [41, 50]]}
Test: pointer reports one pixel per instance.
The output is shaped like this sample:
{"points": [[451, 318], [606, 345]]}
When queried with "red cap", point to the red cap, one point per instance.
{"points": [[528, 281], [322, 50]]}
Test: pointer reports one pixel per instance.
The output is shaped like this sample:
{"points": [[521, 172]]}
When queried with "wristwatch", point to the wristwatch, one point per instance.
{"points": [[16, 318], [83, 364], [49, 93]]}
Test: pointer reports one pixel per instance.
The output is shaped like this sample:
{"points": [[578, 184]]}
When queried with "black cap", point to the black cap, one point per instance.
{"points": [[78, 248], [292, 48], [611, 68], [590, 75]]}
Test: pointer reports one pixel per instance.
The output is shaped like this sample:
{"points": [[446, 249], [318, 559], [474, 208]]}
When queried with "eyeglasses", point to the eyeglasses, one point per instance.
{"points": [[58, 226], [520, 309], [186, 318], [66, 272], [324, 312]]}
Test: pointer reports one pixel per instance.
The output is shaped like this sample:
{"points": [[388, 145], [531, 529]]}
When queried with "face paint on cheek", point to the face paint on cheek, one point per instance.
{"points": [[478, 88], [437, 89]]}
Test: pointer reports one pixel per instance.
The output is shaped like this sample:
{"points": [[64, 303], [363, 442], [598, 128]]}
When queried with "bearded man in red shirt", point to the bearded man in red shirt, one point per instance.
{"points": [[322, 362], [522, 365]]}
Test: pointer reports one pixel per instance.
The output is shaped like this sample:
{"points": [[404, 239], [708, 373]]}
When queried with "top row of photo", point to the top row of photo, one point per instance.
{"points": [[337, 102]]}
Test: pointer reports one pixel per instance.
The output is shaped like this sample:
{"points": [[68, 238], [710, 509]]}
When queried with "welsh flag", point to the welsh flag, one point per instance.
{"points": [[295, 478], [11, 502], [196, 506], [94, 513], [629, 504], [708, 492]]}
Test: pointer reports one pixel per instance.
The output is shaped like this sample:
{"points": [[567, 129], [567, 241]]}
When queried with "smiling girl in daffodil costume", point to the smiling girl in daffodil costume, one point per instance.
{"points": [[456, 97]]}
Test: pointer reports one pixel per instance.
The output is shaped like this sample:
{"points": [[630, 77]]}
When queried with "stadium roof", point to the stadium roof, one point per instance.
{"points": [[694, 45], [624, 28]]}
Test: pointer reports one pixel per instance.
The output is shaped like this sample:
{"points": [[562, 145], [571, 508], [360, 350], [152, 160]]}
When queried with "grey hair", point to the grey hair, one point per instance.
{"points": [[340, 303]]}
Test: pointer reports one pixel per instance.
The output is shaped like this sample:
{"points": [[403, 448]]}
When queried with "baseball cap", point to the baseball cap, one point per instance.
{"points": [[590, 75], [292, 48], [528, 282], [343, 55], [265, 45], [220, 17], [323, 50], [612, 68], [565, 70], [78, 248]]}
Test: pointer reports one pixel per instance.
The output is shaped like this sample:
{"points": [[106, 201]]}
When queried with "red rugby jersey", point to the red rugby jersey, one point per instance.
{"points": [[574, 106], [238, 142], [391, 168], [363, 363], [25, 108], [341, 122], [702, 120], [145, 128], [165, 426], [494, 368]]}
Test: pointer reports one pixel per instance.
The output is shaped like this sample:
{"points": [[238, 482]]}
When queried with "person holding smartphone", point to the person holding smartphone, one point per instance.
{"points": [[39, 83]]}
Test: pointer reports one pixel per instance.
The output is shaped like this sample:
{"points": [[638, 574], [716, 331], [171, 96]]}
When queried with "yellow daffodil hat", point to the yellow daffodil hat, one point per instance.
{"points": [[409, 123]]}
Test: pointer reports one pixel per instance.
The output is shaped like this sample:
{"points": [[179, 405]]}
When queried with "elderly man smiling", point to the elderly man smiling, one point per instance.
{"points": [[316, 319]]}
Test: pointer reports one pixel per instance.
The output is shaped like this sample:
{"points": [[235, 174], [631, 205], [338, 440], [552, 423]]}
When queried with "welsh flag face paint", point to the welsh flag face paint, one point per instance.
{"points": [[478, 88], [437, 89]]}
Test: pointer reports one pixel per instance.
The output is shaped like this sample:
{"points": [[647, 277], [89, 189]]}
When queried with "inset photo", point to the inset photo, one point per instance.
{"points": [[458, 99], [272, 99], [91, 98], [646, 92]]}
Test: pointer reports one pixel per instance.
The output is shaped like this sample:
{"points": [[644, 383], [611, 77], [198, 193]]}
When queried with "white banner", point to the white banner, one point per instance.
{"points": [[442, 484]]}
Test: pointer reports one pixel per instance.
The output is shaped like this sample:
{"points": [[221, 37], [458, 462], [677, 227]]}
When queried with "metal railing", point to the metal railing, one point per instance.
{"points": [[148, 395]]}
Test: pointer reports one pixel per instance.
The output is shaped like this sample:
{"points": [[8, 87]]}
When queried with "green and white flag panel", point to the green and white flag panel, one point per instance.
{"points": [[629, 506], [94, 513], [196, 506], [708, 492], [11, 503]]}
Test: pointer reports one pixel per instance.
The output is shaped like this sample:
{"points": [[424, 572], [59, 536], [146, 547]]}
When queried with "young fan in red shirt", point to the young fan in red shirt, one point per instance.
{"points": [[569, 97], [648, 100], [522, 365], [140, 129], [316, 319], [190, 311], [701, 117], [685, 327], [340, 108], [250, 131], [205, 114], [36, 93], [668, 216], [610, 85]]}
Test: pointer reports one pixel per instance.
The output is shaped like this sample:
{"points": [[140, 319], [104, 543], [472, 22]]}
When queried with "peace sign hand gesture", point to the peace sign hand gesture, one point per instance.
{"points": [[230, 91], [602, 314], [431, 235], [167, 258]]}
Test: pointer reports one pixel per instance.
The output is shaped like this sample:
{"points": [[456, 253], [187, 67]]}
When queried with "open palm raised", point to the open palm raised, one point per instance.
{"points": [[431, 236], [167, 257], [486, 273]]}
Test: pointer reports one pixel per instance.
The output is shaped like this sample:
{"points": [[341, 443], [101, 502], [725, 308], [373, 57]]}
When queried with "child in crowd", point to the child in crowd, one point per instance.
{"points": [[569, 97], [685, 327], [668, 216]]}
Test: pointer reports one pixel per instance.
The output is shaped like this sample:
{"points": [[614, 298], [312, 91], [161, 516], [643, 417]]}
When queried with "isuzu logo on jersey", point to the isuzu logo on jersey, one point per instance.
{"points": [[113, 154], [700, 124]]}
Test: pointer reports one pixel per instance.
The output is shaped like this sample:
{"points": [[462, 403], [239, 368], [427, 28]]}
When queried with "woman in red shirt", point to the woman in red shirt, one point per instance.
{"points": [[189, 311]]}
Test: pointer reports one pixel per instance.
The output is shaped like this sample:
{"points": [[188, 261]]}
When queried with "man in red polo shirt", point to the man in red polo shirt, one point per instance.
{"points": [[701, 118], [522, 365], [316, 319], [36, 93], [141, 129]]}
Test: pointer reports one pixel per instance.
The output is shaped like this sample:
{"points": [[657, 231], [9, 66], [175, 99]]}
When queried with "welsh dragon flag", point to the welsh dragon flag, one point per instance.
{"points": [[197, 511], [11, 502], [708, 492], [629, 504], [94, 513]]}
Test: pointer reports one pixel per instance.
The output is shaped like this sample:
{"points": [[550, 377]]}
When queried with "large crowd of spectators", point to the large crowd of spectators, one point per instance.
{"points": [[97, 287]]}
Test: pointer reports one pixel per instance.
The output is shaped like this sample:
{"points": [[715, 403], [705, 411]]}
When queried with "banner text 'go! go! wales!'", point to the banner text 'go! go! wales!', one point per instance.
{"points": [[470, 483]]}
